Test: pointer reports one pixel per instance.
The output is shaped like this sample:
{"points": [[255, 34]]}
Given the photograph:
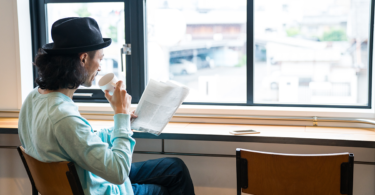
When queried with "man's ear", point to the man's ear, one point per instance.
{"points": [[83, 58]]}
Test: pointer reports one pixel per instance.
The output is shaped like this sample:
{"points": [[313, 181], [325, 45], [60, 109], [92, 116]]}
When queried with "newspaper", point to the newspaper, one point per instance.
{"points": [[159, 102]]}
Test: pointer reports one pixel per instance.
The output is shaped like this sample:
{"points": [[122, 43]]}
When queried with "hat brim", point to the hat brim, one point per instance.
{"points": [[74, 50]]}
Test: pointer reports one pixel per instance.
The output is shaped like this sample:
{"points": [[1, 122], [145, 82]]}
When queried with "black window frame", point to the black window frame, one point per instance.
{"points": [[135, 74], [136, 63]]}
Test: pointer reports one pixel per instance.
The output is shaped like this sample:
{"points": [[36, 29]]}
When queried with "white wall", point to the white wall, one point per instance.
{"points": [[211, 175], [8, 55], [15, 50]]}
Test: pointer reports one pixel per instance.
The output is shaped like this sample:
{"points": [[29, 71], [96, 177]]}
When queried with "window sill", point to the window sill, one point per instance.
{"points": [[251, 115], [191, 110]]}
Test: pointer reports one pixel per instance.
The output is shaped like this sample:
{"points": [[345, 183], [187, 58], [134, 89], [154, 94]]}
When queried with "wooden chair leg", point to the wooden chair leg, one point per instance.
{"points": [[238, 170], [35, 191]]}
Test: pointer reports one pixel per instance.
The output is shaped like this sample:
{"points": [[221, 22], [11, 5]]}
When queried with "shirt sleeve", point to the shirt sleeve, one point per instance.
{"points": [[105, 135], [87, 149]]}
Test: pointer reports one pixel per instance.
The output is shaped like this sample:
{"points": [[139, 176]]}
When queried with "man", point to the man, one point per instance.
{"points": [[51, 128]]}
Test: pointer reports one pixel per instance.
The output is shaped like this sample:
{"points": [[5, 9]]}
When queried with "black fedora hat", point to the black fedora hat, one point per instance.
{"points": [[75, 35]]}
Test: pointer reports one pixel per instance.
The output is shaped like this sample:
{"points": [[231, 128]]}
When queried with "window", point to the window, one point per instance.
{"points": [[110, 17], [240, 52], [201, 44], [316, 52]]}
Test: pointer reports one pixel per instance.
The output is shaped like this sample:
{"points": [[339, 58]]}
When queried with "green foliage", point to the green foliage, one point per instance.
{"points": [[334, 35], [293, 31], [112, 33], [83, 12], [242, 61]]}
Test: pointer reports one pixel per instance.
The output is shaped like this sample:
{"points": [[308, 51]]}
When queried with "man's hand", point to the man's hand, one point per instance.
{"points": [[133, 116], [120, 101]]}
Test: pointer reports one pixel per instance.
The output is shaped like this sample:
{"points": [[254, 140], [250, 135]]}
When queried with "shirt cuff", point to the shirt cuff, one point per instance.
{"points": [[122, 123]]}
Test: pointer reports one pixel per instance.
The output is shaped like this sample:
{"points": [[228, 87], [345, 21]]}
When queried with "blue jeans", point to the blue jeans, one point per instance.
{"points": [[164, 176]]}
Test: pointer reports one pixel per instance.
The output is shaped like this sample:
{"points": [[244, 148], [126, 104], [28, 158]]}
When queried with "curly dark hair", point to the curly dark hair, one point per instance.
{"points": [[60, 71]]}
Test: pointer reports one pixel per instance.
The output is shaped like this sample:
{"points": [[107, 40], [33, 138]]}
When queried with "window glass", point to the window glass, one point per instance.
{"points": [[311, 51], [201, 44], [110, 18]]}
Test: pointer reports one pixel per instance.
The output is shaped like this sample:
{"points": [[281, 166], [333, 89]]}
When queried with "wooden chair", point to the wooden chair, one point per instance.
{"points": [[53, 178], [264, 173]]}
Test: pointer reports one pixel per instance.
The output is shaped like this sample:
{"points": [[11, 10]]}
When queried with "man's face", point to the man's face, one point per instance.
{"points": [[92, 66]]}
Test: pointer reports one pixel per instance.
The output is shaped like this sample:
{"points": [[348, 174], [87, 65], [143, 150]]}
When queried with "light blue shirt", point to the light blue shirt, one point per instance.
{"points": [[51, 129]]}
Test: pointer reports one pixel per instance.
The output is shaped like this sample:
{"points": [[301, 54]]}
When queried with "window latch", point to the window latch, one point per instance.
{"points": [[127, 49]]}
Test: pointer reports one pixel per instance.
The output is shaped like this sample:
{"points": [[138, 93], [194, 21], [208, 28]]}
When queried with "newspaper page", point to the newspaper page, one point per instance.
{"points": [[159, 102]]}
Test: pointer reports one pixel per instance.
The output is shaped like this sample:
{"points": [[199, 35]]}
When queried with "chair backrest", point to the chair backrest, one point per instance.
{"points": [[53, 178], [284, 174]]}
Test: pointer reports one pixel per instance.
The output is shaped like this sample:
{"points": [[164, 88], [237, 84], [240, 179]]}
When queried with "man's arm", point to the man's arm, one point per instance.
{"points": [[86, 148], [105, 133]]}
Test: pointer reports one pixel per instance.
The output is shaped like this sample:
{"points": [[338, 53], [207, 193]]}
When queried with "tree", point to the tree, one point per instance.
{"points": [[334, 35], [242, 61], [291, 32], [83, 11], [112, 33]]}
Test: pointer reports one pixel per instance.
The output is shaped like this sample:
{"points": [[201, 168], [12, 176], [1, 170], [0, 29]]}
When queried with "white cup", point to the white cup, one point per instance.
{"points": [[108, 82]]}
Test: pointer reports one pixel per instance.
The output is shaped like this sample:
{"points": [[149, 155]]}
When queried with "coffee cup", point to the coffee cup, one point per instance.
{"points": [[108, 82]]}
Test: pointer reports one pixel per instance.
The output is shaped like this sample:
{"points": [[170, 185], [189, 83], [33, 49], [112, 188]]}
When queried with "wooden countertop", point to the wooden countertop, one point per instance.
{"points": [[332, 136]]}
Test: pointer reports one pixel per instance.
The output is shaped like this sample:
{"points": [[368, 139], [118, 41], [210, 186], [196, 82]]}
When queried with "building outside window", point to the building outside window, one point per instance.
{"points": [[242, 52]]}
